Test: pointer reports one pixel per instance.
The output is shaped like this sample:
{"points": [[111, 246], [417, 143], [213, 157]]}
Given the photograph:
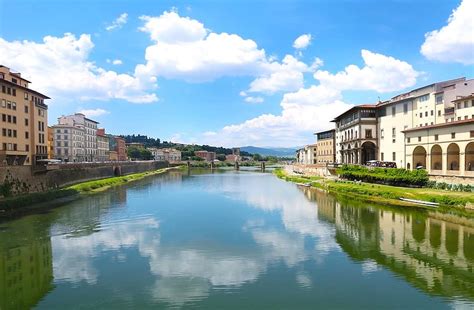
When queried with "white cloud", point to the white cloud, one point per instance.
{"points": [[118, 22], [94, 112], [60, 67], [251, 99], [455, 41], [302, 41], [117, 62], [311, 109], [381, 73], [287, 76]]}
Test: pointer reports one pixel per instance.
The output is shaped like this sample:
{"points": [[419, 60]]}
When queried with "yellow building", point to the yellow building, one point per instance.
{"points": [[24, 121], [50, 142], [325, 147]]}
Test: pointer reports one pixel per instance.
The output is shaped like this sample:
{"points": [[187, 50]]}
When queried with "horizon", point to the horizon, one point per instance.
{"points": [[194, 73]]}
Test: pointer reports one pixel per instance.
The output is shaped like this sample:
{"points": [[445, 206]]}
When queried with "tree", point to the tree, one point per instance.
{"points": [[221, 157]]}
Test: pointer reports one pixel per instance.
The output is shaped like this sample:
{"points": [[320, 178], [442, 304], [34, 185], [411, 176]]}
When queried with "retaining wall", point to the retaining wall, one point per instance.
{"points": [[25, 179]]}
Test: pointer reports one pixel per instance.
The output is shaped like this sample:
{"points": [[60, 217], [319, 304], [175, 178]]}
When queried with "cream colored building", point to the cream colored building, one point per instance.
{"points": [[102, 146], [418, 108], [171, 155], [90, 133], [307, 155], [69, 143], [24, 121], [325, 146]]}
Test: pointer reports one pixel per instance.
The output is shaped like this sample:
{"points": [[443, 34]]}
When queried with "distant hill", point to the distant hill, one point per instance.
{"points": [[277, 151]]}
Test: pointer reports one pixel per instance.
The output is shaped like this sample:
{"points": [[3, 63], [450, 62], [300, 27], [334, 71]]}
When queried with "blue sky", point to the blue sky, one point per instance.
{"points": [[230, 72]]}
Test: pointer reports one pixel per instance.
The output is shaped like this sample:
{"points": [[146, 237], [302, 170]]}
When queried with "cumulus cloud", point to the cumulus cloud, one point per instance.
{"points": [[310, 109], [118, 22], [381, 73], [114, 62], [302, 41], [455, 41], [285, 76], [70, 74], [93, 112]]}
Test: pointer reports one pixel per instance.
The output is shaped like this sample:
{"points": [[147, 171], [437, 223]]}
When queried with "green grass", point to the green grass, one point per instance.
{"points": [[293, 178], [387, 194]]}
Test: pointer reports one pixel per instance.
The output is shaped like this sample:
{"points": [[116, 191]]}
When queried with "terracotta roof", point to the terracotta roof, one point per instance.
{"points": [[25, 88], [455, 123], [471, 96], [361, 106]]}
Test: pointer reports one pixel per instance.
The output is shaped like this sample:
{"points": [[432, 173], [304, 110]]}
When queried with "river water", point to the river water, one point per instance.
{"points": [[234, 240]]}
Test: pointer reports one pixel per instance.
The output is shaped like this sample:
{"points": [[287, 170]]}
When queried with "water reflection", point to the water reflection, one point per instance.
{"points": [[432, 254], [181, 239]]}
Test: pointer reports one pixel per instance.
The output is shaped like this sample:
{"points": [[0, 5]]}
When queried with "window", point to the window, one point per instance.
{"points": [[439, 113], [393, 156], [58, 137], [426, 113], [405, 108], [381, 156], [27, 135], [14, 119], [466, 104], [14, 106], [408, 140], [4, 132], [4, 117], [368, 133], [26, 109], [419, 139], [4, 103], [9, 118], [459, 118], [439, 99], [453, 135], [472, 133], [381, 133], [27, 148], [26, 122], [9, 105], [14, 92], [432, 112], [394, 131], [26, 96], [421, 115], [424, 98], [394, 111]]}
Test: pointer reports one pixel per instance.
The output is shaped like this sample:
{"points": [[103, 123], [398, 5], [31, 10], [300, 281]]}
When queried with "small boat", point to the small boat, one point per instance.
{"points": [[304, 184], [421, 202]]}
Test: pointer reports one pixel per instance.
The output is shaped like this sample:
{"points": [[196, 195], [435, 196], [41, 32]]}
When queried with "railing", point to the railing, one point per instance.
{"points": [[449, 111]]}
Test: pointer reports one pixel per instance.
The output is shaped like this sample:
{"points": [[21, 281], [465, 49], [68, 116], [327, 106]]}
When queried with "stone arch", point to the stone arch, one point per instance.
{"points": [[368, 152], [419, 157], [436, 157], [469, 155], [453, 157], [117, 171]]}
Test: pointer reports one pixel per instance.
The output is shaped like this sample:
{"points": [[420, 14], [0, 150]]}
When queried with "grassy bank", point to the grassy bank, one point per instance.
{"points": [[12, 204], [386, 194]]}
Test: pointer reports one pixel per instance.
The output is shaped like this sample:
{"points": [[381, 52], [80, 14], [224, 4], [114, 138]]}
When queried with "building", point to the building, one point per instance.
{"points": [[89, 126], [425, 106], [102, 145], [356, 135], [50, 142], [167, 154], [307, 155], [326, 147], [233, 158], [121, 149], [24, 121], [208, 156], [69, 143]]}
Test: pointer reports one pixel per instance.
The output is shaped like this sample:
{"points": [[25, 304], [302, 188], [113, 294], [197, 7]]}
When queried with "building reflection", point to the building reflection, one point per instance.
{"points": [[432, 254], [26, 271]]}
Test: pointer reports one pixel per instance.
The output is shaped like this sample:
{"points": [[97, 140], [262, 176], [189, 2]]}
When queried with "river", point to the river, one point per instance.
{"points": [[234, 240]]}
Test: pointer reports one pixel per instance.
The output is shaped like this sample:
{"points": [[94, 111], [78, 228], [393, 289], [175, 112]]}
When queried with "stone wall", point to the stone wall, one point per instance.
{"points": [[26, 179], [309, 170]]}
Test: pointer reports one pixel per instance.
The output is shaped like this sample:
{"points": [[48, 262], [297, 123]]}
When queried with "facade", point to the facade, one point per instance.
{"points": [[69, 143], [208, 156], [233, 158], [307, 155], [24, 122], [121, 149], [102, 145], [90, 132], [326, 147], [50, 142], [425, 106], [171, 155], [356, 135]]}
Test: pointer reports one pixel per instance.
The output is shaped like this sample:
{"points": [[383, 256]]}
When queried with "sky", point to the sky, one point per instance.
{"points": [[231, 73]]}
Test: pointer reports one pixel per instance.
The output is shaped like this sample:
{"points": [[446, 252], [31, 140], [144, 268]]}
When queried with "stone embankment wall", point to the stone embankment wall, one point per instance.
{"points": [[310, 170], [26, 179]]}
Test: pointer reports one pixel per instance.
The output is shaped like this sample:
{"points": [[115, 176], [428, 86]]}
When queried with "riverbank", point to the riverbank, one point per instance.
{"points": [[24, 203], [385, 194]]}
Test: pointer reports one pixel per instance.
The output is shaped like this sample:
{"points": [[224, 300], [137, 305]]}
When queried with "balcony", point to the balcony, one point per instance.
{"points": [[448, 111]]}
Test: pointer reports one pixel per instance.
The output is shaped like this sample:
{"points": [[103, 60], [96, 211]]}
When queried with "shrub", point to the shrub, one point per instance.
{"points": [[388, 176]]}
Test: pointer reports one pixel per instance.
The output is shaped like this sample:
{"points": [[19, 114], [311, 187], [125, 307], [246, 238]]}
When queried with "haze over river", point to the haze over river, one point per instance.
{"points": [[234, 240]]}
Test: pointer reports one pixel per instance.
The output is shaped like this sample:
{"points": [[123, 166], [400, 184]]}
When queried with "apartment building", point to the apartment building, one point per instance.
{"points": [[69, 143], [167, 154], [121, 149], [24, 121], [326, 147], [90, 132], [307, 155], [102, 145], [356, 135]]}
